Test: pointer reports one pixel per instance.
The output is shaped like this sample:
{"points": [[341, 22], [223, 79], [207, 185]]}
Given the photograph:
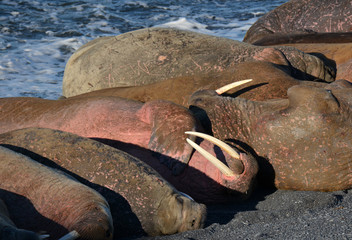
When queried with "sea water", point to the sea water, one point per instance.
{"points": [[38, 37]]}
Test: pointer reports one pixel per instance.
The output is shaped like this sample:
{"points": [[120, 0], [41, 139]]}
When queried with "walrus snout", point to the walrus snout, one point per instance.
{"points": [[237, 170], [244, 182], [179, 213]]}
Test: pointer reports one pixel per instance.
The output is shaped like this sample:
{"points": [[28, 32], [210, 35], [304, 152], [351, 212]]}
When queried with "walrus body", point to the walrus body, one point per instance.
{"points": [[303, 17], [141, 201], [157, 54], [269, 81], [156, 127], [339, 53], [306, 139], [41, 199]]}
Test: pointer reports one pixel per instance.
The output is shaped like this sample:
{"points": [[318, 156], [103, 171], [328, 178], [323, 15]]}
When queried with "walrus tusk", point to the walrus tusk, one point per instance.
{"points": [[217, 142], [70, 236], [186, 195], [217, 163], [231, 85]]}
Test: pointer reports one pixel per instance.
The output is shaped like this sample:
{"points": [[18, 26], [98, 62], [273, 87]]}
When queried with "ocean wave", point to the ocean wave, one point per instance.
{"points": [[38, 37]]}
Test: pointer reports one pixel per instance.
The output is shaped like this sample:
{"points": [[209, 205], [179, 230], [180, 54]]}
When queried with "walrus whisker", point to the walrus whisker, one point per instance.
{"points": [[70, 236], [231, 85], [217, 142], [216, 162]]}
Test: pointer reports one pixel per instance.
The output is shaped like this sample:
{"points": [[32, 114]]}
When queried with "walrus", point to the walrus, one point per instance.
{"points": [[304, 38], [303, 17], [269, 81], [336, 51], [141, 201], [41, 199], [153, 55], [302, 142]]}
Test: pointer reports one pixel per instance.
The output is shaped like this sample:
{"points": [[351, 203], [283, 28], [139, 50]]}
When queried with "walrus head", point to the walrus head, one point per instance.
{"points": [[305, 139], [180, 213]]}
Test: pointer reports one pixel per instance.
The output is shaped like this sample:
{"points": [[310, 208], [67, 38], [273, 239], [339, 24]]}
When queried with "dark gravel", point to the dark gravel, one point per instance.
{"points": [[271, 214]]}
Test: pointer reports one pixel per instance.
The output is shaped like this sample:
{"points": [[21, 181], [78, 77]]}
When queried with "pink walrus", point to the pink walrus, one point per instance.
{"points": [[153, 130]]}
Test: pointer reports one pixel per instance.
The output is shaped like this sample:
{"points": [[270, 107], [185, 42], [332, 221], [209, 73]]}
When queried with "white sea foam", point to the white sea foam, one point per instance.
{"points": [[187, 24]]}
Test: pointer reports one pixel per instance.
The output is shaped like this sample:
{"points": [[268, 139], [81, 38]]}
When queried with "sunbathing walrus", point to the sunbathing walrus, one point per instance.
{"points": [[141, 201], [269, 81], [138, 129], [305, 139], [41, 199]]}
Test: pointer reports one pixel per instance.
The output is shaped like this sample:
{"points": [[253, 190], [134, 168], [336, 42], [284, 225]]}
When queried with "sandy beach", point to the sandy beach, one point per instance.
{"points": [[278, 214]]}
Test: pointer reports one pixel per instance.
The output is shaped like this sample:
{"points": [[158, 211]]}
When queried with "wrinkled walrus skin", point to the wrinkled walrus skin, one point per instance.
{"points": [[41, 199], [137, 128], [307, 138], [303, 16], [269, 81], [141, 201], [9, 231], [153, 55], [335, 51]]}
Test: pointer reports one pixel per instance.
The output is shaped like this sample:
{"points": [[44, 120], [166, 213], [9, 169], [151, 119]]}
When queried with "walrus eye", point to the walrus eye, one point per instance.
{"points": [[216, 162], [231, 86]]}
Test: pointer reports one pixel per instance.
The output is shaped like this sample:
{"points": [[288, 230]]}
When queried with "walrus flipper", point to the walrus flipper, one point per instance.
{"points": [[169, 122]]}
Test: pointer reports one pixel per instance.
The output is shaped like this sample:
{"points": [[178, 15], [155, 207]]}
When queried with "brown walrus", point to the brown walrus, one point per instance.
{"points": [[141, 201], [41, 199], [339, 53], [153, 55], [304, 142], [303, 17], [269, 81]]}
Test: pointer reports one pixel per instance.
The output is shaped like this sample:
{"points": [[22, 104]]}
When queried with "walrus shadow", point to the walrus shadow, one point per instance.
{"points": [[25, 216], [126, 223], [224, 213], [219, 211]]}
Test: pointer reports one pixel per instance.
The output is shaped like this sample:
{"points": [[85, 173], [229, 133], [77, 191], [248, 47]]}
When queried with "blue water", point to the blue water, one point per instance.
{"points": [[38, 37]]}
